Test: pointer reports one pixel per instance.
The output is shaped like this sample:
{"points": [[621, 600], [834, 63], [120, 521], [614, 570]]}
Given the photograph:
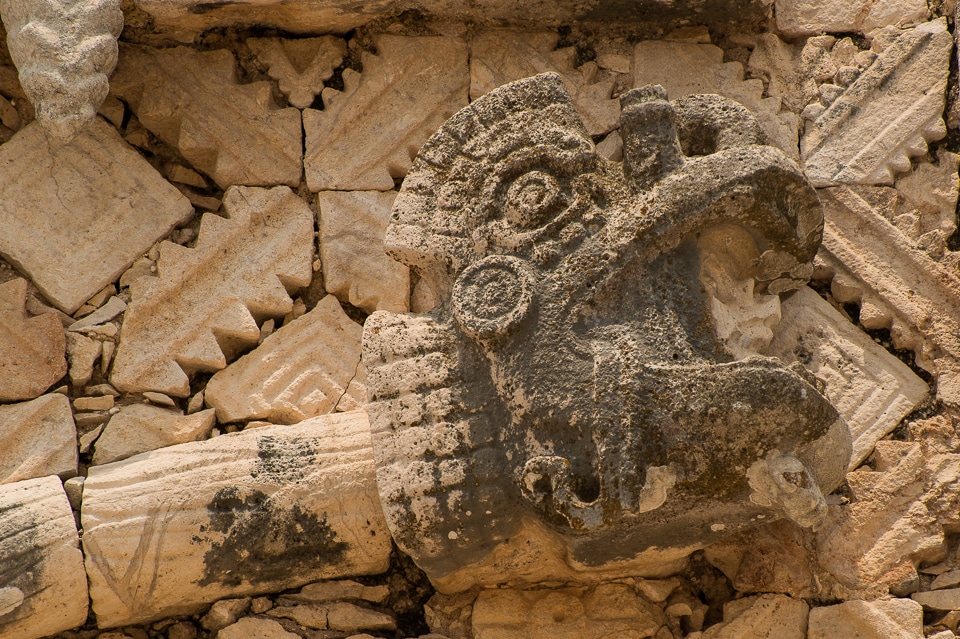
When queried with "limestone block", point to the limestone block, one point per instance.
{"points": [[74, 217], [264, 510], [325, 591], [301, 65], [41, 567], [368, 134], [498, 57], [609, 610], [872, 389], [32, 349], [82, 353], [224, 612], [254, 628], [65, 52], [355, 268], [870, 131], [192, 101], [141, 427], [948, 599], [687, 68], [38, 439], [808, 17], [311, 366], [202, 306], [764, 617], [898, 286], [883, 619]]}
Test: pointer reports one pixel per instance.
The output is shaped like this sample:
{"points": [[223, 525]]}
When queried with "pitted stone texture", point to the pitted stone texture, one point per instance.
{"points": [[262, 510], [204, 303], [687, 68], [872, 389], [763, 617], [192, 101], [884, 619], [926, 204], [367, 135], [301, 65], [41, 567], [59, 203], [888, 115], [609, 610], [809, 17], [65, 51], [498, 57], [38, 439], [309, 367], [355, 268], [141, 427], [32, 349], [555, 416]]}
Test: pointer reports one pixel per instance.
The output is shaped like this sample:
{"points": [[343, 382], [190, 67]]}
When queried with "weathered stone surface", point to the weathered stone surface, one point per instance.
{"points": [[688, 68], [763, 617], [41, 567], [870, 131], [325, 591], [531, 407], [273, 508], [948, 599], [192, 101], [253, 628], [59, 203], [355, 268], [609, 610], [32, 349], [367, 135], [203, 305], [498, 57], [301, 65], [872, 389], [82, 353], [895, 521], [141, 427], [897, 286], [808, 17], [224, 612], [926, 204], [38, 439], [884, 619], [105, 313], [350, 617], [65, 52], [311, 366]]}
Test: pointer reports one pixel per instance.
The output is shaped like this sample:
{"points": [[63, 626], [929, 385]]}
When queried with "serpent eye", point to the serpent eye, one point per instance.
{"points": [[532, 199]]}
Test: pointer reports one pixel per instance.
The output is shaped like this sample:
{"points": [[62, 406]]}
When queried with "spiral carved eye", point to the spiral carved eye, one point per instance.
{"points": [[532, 199], [493, 296]]}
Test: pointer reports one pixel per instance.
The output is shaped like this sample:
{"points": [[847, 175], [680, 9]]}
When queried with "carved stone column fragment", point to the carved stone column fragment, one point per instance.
{"points": [[43, 589], [263, 510]]}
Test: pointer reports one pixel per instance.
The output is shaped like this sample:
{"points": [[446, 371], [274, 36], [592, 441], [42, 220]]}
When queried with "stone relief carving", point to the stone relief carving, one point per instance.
{"points": [[586, 399]]}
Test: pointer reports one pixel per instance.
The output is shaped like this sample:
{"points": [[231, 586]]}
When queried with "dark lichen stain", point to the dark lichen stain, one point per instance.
{"points": [[283, 460], [264, 541]]}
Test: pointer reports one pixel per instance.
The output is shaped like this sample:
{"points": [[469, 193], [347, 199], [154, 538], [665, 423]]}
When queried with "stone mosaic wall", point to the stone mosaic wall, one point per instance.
{"points": [[184, 284]]}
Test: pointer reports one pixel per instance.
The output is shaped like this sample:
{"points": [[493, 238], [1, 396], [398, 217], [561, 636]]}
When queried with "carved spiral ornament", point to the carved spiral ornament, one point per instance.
{"points": [[493, 296]]}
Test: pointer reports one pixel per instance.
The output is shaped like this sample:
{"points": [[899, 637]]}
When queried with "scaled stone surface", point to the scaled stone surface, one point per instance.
{"points": [[368, 134], [60, 202], [38, 439], [309, 367], [868, 133], [141, 427], [258, 511], [570, 409], [41, 567], [355, 268], [204, 303], [32, 349], [64, 51], [192, 101]]}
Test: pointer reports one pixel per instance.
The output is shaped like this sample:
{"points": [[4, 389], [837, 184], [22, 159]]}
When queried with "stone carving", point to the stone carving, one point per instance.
{"points": [[569, 411], [43, 589], [868, 132], [263, 510], [60, 202], [300, 66], [32, 349], [807, 17], [498, 57], [311, 366], [204, 304], [65, 51], [367, 135], [192, 100]]}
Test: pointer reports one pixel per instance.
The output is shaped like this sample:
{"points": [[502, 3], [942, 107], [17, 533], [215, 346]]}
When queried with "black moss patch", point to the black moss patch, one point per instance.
{"points": [[282, 460]]}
